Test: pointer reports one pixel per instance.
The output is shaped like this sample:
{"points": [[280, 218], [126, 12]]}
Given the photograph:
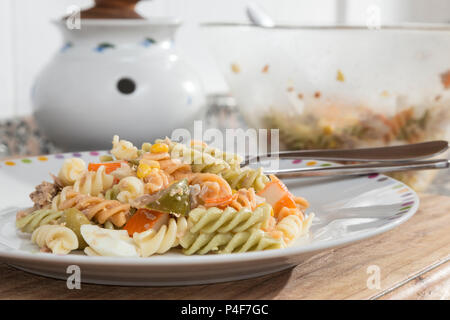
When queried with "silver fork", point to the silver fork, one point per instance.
{"points": [[381, 159]]}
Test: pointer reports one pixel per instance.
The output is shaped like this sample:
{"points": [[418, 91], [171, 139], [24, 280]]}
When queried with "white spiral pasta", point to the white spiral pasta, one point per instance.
{"points": [[59, 239], [60, 198], [71, 170], [130, 188], [94, 182], [229, 220], [123, 149], [292, 226], [150, 242], [251, 240]]}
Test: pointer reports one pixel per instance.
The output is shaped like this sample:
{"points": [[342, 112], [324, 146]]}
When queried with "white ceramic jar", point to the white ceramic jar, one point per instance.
{"points": [[116, 77]]}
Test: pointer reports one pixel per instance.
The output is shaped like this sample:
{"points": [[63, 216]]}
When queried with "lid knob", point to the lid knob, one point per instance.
{"points": [[112, 9]]}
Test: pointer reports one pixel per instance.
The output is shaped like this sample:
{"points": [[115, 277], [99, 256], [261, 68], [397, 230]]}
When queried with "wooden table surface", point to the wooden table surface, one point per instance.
{"points": [[413, 260]]}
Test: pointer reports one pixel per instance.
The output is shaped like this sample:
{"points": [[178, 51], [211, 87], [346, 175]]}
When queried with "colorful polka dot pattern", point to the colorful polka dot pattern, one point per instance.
{"points": [[401, 190], [46, 158]]}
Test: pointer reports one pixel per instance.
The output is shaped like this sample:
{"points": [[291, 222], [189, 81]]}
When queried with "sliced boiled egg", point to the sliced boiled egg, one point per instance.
{"points": [[106, 242]]}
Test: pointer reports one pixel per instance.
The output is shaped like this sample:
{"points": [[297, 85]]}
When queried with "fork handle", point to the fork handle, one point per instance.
{"points": [[407, 152], [358, 169]]}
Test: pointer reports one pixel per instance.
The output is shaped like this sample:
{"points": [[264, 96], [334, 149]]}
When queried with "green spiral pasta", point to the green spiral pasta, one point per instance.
{"points": [[111, 193], [214, 220], [201, 159], [207, 159], [146, 147], [38, 218], [245, 178], [233, 159], [251, 240]]}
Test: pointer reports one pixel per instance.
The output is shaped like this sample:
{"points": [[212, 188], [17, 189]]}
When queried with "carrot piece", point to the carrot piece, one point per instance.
{"points": [[145, 219], [285, 202], [277, 195], [109, 166], [445, 79]]}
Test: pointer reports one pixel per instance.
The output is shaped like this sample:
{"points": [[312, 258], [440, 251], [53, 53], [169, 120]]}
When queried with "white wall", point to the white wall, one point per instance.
{"points": [[28, 40], [392, 11]]}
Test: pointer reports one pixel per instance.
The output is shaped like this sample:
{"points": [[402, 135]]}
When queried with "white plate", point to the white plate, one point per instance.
{"points": [[347, 210]]}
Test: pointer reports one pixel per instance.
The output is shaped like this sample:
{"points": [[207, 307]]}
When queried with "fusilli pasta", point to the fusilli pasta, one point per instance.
{"points": [[98, 208], [150, 242], [233, 159], [94, 182], [245, 178], [199, 161], [292, 226], [71, 170], [123, 149], [139, 203], [229, 220], [111, 193], [251, 240], [60, 197], [38, 218], [59, 239], [130, 188]]}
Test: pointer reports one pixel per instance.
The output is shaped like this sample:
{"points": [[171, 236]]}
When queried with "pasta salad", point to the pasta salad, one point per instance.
{"points": [[163, 196]]}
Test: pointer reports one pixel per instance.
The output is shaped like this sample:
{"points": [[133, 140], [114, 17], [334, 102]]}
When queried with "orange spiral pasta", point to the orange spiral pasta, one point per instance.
{"points": [[244, 198], [94, 207], [168, 165]]}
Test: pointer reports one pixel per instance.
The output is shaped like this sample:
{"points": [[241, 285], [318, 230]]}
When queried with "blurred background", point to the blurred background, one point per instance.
{"points": [[28, 41]]}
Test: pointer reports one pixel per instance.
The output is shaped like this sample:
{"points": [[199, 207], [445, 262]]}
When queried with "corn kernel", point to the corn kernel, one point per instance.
{"points": [[340, 76], [198, 143], [327, 130], [143, 170], [159, 148]]}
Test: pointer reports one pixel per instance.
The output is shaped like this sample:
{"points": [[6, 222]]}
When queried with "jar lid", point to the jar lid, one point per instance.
{"points": [[112, 9]]}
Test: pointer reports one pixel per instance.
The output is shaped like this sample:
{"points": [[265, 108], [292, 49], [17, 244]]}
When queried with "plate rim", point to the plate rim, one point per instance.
{"points": [[193, 260]]}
